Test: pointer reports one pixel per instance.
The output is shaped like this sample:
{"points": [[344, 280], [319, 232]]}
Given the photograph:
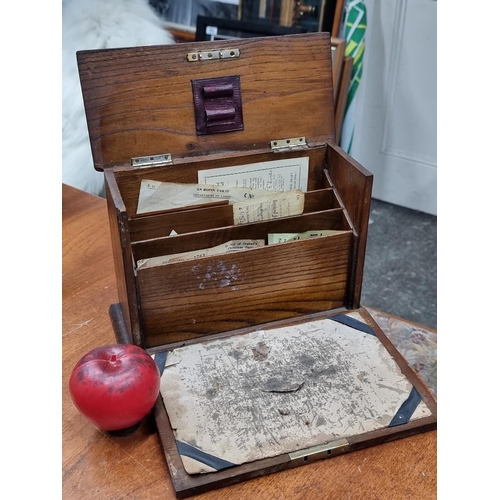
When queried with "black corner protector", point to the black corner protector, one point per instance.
{"points": [[160, 360], [353, 323], [407, 409], [190, 451]]}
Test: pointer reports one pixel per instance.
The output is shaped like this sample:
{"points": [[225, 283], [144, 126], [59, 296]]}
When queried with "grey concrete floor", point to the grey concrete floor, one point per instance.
{"points": [[400, 275]]}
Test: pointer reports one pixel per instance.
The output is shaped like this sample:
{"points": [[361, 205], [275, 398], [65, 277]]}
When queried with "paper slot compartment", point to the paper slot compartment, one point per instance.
{"points": [[331, 219], [209, 295], [204, 218], [188, 171]]}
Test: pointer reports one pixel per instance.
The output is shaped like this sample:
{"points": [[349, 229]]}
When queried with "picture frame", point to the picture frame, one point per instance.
{"points": [[312, 15], [338, 50], [340, 105], [337, 18], [212, 28]]}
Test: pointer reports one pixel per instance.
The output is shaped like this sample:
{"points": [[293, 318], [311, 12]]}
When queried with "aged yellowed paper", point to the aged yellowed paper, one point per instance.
{"points": [[155, 196], [273, 238], [273, 206], [275, 175], [230, 246], [278, 391]]}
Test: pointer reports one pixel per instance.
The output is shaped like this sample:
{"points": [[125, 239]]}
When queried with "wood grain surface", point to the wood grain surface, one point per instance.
{"points": [[96, 465], [138, 100]]}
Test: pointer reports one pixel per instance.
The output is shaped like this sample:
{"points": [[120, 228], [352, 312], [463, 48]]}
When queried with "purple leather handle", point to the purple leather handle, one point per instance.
{"points": [[217, 105], [220, 113], [213, 91]]}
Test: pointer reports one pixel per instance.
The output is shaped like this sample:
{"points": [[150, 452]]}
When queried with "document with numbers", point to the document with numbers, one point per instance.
{"points": [[276, 175]]}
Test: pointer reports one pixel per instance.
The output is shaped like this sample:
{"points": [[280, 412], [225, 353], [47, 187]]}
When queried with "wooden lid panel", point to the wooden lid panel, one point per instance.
{"points": [[139, 101]]}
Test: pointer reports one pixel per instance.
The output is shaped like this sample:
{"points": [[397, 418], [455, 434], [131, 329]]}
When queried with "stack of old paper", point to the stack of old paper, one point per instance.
{"points": [[230, 246], [249, 205], [259, 191]]}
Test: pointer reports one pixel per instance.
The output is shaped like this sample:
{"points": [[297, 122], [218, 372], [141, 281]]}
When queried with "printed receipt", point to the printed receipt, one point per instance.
{"points": [[232, 184], [230, 246], [276, 175], [269, 207], [273, 238], [156, 195]]}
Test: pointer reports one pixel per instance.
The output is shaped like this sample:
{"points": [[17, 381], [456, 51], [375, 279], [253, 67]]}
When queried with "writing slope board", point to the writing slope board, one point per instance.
{"points": [[250, 404]]}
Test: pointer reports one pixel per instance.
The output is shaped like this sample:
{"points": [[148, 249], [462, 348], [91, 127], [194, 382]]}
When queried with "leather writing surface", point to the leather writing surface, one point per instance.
{"points": [[281, 390]]}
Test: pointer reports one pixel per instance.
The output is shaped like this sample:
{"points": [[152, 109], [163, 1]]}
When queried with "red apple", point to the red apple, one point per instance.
{"points": [[115, 386]]}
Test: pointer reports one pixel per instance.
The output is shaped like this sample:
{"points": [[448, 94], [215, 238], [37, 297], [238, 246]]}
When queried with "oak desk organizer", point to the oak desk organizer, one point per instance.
{"points": [[268, 359]]}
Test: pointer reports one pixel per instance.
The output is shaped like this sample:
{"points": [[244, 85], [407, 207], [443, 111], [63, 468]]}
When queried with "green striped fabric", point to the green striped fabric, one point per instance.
{"points": [[354, 35]]}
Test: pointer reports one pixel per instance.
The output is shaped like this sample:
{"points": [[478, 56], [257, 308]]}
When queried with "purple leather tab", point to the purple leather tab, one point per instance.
{"points": [[217, 105], [213, 91], [221, 113]]}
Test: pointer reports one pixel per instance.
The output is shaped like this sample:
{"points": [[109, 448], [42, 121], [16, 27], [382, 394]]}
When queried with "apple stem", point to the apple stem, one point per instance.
{"points": [[113, 357]]}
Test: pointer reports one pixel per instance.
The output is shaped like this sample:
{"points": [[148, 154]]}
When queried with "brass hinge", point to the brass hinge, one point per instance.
{"points": [[152, 161], [320, 451], [296, 142], [209, 55]]}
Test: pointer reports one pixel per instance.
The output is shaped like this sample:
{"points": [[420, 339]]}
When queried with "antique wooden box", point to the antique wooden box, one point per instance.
{"points": [[268, 359]]}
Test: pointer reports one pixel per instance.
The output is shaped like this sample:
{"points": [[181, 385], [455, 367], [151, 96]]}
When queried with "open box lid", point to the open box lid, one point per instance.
{"points": [[141, 101]]}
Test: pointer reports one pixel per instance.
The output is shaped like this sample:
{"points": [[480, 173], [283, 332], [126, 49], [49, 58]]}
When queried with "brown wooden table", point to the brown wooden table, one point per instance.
{"points": [[96, 465]]}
